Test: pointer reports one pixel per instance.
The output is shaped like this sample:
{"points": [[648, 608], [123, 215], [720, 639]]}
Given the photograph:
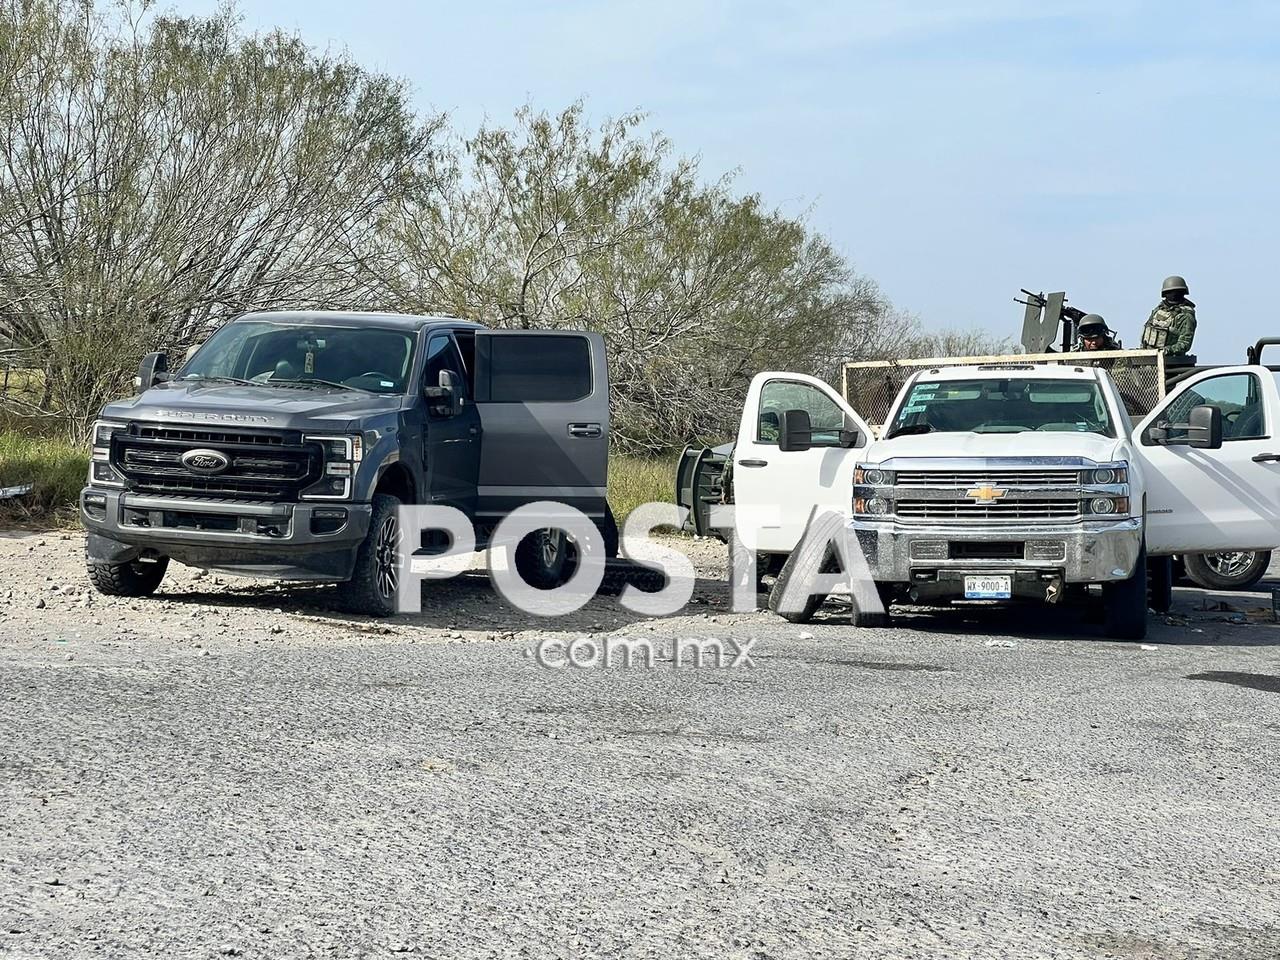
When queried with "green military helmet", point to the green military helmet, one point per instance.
{"points": [[1092, 323], [1174, 284]]}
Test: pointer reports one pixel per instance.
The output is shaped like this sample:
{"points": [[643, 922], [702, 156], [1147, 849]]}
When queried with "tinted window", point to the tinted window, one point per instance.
{"points": [[366, 358], [539, 368], [1237, 395], [825, 416], [442, 354]]}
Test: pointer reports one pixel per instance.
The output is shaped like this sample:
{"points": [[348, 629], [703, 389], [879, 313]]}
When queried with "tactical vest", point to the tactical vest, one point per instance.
{"points": [[1156, 332]]}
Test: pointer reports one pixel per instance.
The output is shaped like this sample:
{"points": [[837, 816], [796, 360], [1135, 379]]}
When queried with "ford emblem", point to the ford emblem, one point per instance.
{"points": [[205, 461]]}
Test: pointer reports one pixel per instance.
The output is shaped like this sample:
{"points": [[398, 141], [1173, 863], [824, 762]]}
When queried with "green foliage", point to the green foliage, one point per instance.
{"points": [[56, 468], [637, 480]]}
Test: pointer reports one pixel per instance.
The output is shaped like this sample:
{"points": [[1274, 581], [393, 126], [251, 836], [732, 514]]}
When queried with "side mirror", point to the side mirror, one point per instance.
{"points": [[1203, 430], [1204, 427], [153, 369], [446, 397], [795, 431]]}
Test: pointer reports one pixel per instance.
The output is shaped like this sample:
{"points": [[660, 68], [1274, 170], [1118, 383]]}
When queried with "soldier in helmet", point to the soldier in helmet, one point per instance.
{"points": [[1172, 324], [1092, 333]]}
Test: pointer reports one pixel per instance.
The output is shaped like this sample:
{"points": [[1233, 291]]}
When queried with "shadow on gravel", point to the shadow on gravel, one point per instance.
{"points": [[1252, 681], [468, 601]]}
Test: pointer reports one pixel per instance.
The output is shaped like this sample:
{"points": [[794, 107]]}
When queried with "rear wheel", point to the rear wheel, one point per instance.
{"points": [[1125, 603], [137, 578], [375, 581], [1236, 570]]}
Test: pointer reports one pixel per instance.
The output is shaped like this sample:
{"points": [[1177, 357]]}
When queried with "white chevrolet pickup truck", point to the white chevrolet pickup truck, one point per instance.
{"points": [[1009, 482]]}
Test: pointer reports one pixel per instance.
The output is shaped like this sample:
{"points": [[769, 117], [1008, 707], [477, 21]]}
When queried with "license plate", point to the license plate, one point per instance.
{"points": [[987, 588]]}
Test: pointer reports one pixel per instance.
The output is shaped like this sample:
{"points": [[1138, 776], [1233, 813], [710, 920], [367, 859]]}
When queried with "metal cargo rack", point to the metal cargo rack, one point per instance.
{"points": [[870, 386]]}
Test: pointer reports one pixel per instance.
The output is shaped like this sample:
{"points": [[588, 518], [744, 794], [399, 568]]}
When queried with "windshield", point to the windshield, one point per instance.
{"points": [[1003, 406], [376, 360]]}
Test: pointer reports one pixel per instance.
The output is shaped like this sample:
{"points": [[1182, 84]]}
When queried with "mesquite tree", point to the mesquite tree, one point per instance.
{"points": [[161, 174]]}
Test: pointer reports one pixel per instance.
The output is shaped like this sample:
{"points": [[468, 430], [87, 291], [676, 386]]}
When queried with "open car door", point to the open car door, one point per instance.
{"points": [[767, 476], [543, 398], [1201, 497]]}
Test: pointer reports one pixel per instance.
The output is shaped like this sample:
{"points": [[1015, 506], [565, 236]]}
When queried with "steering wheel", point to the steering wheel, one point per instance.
{"points": [[372, 375]]}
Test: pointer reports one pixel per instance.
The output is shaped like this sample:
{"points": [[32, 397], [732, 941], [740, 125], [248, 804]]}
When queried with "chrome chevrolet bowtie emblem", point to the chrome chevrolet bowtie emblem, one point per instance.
{"points": [[985, 493]]}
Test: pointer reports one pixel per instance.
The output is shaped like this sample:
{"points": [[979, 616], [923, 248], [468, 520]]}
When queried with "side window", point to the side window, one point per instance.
{"points": [[540, 368], [1237, 395], [824, 414], [442, 354]]}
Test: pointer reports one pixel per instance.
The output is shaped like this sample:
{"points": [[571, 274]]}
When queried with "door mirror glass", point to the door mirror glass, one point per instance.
{"points": [[1204, 427], [153, 369], [795, 430]]}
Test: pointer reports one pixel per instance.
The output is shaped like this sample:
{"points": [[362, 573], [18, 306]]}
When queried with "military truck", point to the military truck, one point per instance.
{"points": [[1006, 481]]}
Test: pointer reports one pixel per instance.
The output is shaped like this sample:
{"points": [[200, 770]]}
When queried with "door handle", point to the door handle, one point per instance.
{"points": [[753, 463], [1267, 458], [586, 430]]}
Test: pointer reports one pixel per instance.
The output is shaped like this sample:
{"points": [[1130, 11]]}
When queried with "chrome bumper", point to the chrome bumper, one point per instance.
{"points": [[1090, 552]]}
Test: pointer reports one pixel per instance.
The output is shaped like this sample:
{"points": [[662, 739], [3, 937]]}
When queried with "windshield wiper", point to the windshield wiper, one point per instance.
{"points": [[909, 429], [317, 382], [193, 377]]}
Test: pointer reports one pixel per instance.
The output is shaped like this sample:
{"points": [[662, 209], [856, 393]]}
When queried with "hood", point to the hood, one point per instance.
{"points": [[1091, 446], [251, 405]]}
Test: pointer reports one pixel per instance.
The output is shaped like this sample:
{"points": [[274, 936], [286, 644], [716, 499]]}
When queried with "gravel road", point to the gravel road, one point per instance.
{"points": [[232, 769]]}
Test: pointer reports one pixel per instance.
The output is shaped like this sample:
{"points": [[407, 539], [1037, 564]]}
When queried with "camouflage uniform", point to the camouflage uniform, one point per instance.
{"points": [[1170, 328]]}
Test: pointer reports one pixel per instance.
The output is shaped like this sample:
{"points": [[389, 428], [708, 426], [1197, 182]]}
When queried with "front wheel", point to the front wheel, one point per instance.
{"points": [[375, 581], [137, 578], [1125, 602], [1236, 570]]}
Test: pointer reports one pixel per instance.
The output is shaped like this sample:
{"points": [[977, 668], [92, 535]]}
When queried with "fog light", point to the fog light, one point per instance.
{"points": [[1102, 505]]}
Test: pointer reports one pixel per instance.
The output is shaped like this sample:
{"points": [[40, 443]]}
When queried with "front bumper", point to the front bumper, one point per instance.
{"points": [[1088, 552], [286, 541]]}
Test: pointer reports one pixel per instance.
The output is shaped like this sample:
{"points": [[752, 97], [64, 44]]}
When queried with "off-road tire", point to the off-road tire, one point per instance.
{"points": [[1125, 603], [1242, 577], [544, 558], [374, 582], [137, 578]]}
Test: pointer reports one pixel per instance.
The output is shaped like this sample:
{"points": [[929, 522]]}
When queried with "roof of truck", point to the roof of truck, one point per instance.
{"points": [[1045, 371], [407, 321]]}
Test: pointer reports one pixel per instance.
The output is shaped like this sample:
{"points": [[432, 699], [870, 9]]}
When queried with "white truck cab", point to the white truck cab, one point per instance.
{"points": [[1016, 481]]}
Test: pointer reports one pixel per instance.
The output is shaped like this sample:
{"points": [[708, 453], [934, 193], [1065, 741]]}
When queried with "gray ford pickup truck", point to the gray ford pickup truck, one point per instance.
{"points": [[283, 447]]}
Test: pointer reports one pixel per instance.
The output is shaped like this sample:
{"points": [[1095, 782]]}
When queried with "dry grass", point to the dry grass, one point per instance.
{"points": [[56, 469], [637, 480]]}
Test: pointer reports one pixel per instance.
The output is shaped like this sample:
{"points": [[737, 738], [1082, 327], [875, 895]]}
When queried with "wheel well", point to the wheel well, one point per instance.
{"points": [[398, 482]]}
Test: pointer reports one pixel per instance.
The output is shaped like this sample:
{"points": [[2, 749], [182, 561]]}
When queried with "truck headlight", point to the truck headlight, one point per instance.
{"points": [[1109, 506], [872, 506], [872, 477], [101, 473], [1108, 474], [341, 457]]}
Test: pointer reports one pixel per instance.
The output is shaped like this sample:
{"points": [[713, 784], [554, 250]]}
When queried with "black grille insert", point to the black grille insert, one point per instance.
{"points": [[264, 465]]}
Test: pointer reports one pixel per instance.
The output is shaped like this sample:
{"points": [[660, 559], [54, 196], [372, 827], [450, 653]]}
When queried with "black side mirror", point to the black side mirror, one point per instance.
{"points": [[795, 431], [1204, 427], [1203, 430], [153, 369], [446, 398]]}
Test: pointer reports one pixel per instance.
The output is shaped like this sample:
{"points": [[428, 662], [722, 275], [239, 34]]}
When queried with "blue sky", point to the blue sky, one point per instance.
{"points": [[953, 151]]}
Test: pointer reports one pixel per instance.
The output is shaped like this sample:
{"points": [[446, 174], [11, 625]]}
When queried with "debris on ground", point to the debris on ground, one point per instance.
{"points": [[1004, 644]]}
